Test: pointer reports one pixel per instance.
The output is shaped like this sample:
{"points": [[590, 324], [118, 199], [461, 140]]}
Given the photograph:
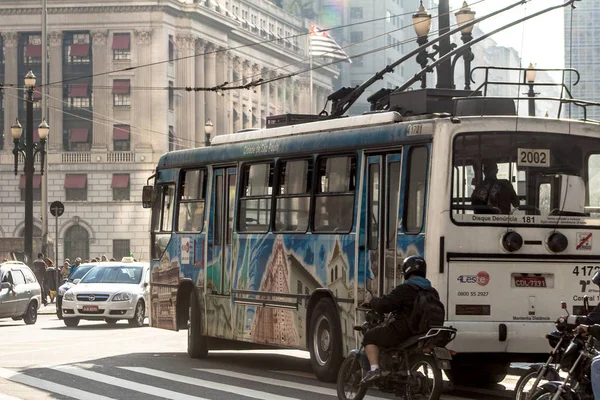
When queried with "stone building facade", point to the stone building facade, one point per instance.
{"points": [[117, 100]]}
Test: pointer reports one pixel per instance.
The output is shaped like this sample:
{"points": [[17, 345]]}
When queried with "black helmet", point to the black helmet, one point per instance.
{"points": [[596, 278], [414, 265]]}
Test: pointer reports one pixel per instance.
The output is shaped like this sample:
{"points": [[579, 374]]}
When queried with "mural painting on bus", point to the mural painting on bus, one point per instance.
{"points": [[290, 264]]}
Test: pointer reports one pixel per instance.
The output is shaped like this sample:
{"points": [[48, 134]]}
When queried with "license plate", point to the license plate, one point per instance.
{"points": [[530, 281], [90, 308], [442, 353]]}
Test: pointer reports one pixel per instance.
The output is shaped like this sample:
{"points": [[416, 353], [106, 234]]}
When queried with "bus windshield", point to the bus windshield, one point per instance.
{"points": [[526, 178]]}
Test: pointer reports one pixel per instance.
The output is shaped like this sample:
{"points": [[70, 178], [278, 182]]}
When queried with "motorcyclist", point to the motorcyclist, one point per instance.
{"points": [[593, 330], [400, 301]]}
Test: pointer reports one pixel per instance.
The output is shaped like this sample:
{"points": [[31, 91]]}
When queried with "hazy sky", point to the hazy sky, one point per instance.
{"points": [[539, 40]]}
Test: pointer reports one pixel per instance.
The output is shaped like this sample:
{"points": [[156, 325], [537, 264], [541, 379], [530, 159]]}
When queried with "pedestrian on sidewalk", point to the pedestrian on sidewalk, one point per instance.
{"points": [[52, 278], [39, 269]]}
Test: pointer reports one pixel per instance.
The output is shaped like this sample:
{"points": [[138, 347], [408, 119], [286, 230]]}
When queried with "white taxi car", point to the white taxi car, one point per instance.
{"points": [[110, 291]]}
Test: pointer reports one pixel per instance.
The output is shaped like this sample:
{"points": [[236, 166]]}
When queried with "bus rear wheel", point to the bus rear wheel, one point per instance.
{"points": [[325, 341], [197, 343]]}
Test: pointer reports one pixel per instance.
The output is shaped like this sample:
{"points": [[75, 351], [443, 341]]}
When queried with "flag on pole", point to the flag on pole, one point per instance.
{"points": [[322, 45]]}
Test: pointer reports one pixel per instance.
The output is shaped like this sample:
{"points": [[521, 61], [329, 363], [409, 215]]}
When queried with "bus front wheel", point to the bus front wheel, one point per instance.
{"points": [[197, 346], [325, 341]]}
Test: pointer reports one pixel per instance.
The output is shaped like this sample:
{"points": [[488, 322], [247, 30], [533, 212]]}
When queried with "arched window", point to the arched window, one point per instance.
{"points": [[77, 243], [37, 232]]}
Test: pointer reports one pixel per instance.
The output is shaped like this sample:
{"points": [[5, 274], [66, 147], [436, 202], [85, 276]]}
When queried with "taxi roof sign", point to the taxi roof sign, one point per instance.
{"points": [[127, 259]]}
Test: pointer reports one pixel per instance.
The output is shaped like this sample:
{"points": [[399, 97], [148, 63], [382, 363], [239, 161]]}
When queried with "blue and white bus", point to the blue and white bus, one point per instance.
{"points": [[271, 238]]}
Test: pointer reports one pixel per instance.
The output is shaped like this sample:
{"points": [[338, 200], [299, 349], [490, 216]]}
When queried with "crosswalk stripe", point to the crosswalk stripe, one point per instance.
{"points": [[7, 397], [49, 386], [208, 384], [278, 382], [137, 387]]}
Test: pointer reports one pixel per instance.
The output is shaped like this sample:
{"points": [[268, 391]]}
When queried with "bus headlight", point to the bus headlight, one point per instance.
{"points": [[557, 242], [512, 241]]}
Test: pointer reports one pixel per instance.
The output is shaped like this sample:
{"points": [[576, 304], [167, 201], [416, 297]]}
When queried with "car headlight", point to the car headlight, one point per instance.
{"points": [[62, 291], [69, 296], [123, 296]]}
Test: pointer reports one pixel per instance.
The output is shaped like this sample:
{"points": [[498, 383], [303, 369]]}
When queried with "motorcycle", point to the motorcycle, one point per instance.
{"points": [[412, 369], [559, 340], [577, 362]]}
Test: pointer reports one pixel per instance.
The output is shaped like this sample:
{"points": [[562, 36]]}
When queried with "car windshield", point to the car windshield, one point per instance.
{"points": [[80, 272], [114, 274], [526, 178]]}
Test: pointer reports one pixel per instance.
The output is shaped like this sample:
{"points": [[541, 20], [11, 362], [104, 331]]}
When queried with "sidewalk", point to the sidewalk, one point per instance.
{"points": [[48, 309]]}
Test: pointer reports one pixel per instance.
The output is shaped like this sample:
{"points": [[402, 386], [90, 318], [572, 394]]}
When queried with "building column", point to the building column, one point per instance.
{"points": [[221, 77], [11, 77], [256, 75], [186, 77], [275, 86], [200, 104], [229, 93], [293, 86], [210, 79], [239, 67], [101, 133], [55, 104], [141, 107], [266, 93], [248, 92], [284, 95]]}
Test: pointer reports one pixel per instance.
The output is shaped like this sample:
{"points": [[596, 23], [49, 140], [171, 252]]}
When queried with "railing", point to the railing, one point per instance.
{"points": [[74, 158], [120, 157], [22, 158]]}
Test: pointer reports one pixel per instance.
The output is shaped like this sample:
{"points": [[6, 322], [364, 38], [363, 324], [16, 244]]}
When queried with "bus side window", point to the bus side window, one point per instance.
{"points": [[293, 196], [336, 183], [255, 198], [191, 201], [162, 219], [593, 188], [414, 204]]}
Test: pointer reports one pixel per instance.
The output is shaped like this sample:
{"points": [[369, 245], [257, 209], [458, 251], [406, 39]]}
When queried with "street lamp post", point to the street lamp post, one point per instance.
{"points": [[463, 17], [29, 149], [208, 128], [422, 25], [530, 75]]}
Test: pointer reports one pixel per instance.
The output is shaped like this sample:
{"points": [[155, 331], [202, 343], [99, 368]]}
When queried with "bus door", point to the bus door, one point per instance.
{"points": [[380, 208], [220, 257]]}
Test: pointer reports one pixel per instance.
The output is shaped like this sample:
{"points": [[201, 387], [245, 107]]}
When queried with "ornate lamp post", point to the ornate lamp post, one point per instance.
{"points": [[422, 25], [208, 128], [28, 149], [530, 75], [464, 16]]}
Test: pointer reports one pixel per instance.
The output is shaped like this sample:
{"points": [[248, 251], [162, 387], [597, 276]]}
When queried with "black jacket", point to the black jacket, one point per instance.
{"points": [[592, 318], [400, 301]]}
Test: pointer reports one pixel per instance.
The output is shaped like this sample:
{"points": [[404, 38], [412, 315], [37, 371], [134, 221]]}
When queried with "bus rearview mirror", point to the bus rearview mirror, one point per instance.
{"points": [[147, 192]]}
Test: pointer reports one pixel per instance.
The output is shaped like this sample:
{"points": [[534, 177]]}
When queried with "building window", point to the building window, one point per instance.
{"points": [[292, 206], [356, 12], [121, 46], [172, 139], [171, 95], [336, 183], [120, 186], [356, 37], [37, 193], [78, 139], [121, 139], [121, 248], [32, 53], [79, 96], [255, 199], [77, 243], [76, 187], [171, 48], [77, 48], [191, 201], [121, 93]]}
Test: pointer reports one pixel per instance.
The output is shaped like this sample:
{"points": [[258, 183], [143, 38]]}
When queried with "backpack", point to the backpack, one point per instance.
{"points": [[427, 310]]}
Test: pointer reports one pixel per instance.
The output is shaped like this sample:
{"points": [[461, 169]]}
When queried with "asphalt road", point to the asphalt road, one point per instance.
{"points": [[96, 361]]}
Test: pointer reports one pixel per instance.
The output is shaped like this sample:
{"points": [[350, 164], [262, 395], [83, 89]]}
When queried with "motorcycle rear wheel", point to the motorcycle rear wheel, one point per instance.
{"points": [[428, 385], [348, 380]]}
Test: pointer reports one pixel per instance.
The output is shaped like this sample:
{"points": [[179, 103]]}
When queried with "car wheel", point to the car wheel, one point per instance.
{"points": [[30, 316], [59, 307], [71, 322], [111, 321], [138, 316], [325, 341]]}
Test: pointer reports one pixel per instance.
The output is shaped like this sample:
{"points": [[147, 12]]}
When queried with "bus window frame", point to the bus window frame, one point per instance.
{"points": [[406, 182], [179, 194], [242, 197], [316, 181], [309, 194], [587, 181], [159, 199]]}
